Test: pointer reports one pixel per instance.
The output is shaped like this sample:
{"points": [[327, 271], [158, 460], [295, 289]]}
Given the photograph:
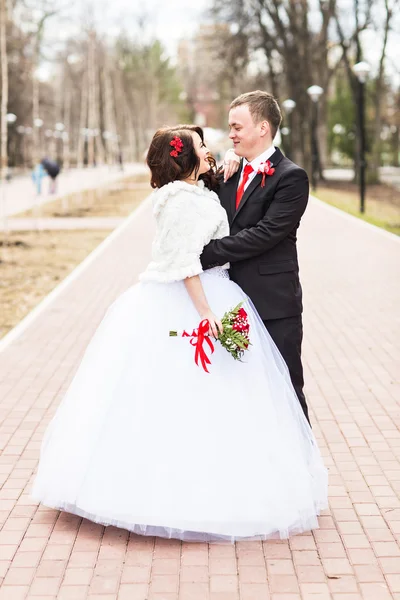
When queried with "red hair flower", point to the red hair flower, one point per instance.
{"points": [[266, 168], [177, 144]]}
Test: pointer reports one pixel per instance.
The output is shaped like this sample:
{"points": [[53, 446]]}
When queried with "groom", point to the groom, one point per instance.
{"points": [[264, 211]]}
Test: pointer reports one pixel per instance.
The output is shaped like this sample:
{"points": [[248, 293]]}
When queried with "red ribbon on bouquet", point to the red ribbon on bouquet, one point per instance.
{"points": [[199, 336]]}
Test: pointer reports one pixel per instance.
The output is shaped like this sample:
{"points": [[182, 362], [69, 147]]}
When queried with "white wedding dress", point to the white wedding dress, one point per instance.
{"points": [[146, 440]]}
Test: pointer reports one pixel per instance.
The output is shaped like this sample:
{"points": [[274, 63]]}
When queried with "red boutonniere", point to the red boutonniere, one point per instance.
{"points": [[265, 169]]}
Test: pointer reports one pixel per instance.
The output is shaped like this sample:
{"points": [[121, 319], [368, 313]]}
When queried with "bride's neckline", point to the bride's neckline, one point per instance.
{"points": [[197, 187], [195, 181], [161, 195]]}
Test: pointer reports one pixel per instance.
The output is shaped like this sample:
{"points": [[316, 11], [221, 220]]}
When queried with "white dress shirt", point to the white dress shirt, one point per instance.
{"points": [[256, 164]]}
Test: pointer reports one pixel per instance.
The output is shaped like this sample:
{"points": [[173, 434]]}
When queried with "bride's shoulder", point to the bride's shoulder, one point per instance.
{"points": [[180, 191]]}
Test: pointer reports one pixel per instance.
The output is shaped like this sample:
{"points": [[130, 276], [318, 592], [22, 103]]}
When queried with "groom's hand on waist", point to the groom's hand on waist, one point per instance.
{"points": [[207, 258]]}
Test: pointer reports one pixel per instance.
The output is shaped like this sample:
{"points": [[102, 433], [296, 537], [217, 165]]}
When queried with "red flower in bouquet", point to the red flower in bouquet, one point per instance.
{"points": [[241, 322], [234, 338]]}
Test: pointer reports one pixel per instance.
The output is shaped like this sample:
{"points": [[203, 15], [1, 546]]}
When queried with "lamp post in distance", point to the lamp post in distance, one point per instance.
{"points": [[361, 71], [314, 92]]}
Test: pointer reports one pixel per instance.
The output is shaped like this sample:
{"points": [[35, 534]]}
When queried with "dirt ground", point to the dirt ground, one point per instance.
{"points": [[382, 202], [33, 263]]}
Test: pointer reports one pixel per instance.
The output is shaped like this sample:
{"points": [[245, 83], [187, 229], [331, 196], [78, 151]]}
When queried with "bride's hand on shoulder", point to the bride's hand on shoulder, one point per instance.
{"points": [[215, 324], [231, 164]]}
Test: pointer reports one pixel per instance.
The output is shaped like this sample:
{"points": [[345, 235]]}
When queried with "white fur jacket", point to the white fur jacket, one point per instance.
{"points": [[187, 218]]}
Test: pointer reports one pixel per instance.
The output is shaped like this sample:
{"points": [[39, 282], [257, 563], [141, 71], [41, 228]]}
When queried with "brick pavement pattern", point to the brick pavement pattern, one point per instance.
{"points": [[351, 281]]}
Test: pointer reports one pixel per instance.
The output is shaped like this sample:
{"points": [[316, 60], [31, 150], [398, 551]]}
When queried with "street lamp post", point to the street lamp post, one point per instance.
{"points": [[361, 70], [289, 105], [314, 93]]}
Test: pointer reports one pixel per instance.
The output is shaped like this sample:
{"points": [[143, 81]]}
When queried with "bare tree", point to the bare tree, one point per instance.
{"points": [[95, 144], [124, 118], [4, 86], [67, 122], [349, 32], [4, 106], [378, 93], [83, 118], [119, 92], [48, 10], [150, 88], [91, 98], [111, 136], [294, 39]]}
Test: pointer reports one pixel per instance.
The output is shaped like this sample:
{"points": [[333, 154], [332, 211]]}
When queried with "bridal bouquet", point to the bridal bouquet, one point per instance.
{"points": [[234, 338]]}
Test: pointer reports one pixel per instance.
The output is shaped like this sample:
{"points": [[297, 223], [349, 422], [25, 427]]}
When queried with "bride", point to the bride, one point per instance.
{"points": [[145, 439]]}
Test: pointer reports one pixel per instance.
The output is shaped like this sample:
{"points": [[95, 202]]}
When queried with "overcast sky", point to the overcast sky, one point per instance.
{"points": [[172, 20], [167, 20]]}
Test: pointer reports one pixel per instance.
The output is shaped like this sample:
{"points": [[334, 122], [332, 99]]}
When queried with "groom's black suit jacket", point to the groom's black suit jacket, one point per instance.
{"points": [[262, 245]]}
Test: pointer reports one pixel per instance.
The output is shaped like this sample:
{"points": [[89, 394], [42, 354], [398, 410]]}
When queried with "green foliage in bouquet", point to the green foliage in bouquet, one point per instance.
{"points": [[235, 336]]}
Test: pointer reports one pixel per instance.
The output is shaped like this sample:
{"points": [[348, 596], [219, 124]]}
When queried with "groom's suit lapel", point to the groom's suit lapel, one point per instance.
{"points": [[255, 182]]}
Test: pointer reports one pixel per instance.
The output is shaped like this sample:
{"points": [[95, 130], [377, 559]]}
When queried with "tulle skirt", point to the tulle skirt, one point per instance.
{"points": [[146, 440]]}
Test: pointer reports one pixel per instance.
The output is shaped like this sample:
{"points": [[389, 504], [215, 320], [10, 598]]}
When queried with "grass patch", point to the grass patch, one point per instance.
{"points": [[380, 210]]}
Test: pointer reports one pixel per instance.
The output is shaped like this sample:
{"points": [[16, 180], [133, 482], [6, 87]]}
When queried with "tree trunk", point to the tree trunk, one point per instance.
{"points": [[83, 120], [67, 122], [396, 148], [4, 124], [124, 120], [35, 103], [109, 115], [379, 88], [91, 101], [4, 87], [96, 95]]}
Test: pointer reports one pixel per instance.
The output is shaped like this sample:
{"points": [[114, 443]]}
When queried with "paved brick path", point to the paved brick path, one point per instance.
{"points": [[352, 294]]}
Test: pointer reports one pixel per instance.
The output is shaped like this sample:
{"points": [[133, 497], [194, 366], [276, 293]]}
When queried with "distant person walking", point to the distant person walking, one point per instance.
{"points": [[37, 175], [53, 169]]}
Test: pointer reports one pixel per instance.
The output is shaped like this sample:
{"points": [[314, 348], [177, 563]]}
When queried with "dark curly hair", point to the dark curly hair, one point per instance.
{"points": [[166, 168]]}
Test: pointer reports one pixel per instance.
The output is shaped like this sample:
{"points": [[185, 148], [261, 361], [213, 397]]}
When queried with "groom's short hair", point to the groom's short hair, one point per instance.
{"points": [[262, 106]]}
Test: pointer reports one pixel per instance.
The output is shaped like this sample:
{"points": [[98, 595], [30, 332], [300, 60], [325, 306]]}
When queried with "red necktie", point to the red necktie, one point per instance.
{"points": [[246, 173]]}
